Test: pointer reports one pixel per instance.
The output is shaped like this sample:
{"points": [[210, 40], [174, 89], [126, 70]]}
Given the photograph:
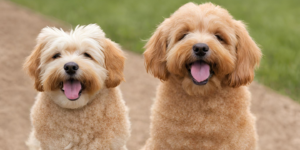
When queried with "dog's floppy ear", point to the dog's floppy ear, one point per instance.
{"points": [[114, 61], [155, 54], [31, 66], [248, 57], [32, 62]]}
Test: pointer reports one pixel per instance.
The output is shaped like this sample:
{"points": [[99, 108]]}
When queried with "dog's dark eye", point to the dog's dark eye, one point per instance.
{"points": [[182, 37], [87, 55], [219, 38], [56, 55]]}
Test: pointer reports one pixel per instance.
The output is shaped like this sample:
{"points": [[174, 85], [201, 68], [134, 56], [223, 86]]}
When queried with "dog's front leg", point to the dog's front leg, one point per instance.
{"points": [[33, 143]]}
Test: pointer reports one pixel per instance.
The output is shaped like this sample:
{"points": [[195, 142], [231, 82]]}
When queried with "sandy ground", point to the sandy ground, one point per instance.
{"points": [[278, 117]]}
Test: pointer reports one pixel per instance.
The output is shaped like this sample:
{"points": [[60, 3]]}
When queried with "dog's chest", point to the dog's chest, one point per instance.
{"points": [[71, 128], [207, 124]]}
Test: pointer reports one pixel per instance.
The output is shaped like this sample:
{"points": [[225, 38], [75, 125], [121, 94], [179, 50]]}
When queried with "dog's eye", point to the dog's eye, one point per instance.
{"points": [[182, 37], [56, 55], [87, 55], [219, 38]]}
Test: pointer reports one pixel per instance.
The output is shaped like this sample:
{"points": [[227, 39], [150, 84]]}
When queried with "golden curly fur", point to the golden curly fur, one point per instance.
{"points": [[212, 116], [98, 119]]}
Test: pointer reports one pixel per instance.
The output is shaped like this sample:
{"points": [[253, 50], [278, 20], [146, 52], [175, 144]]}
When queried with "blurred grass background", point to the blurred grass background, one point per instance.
{"points": [[275, 26]]}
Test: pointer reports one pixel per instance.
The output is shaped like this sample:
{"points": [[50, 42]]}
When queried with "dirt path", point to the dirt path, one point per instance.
{"points": [[278, 117]]}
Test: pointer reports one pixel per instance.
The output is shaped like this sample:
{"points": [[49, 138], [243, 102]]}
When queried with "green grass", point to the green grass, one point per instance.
{"points": [[275, 26]]}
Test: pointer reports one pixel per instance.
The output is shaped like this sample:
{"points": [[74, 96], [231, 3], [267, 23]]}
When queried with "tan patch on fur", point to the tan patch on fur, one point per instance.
{"points": [[31, 66], [71, 48], [114, 61]]}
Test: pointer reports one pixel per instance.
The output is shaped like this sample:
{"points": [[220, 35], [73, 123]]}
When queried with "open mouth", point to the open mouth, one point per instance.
{"points": [[72, 88], [200, 72]]}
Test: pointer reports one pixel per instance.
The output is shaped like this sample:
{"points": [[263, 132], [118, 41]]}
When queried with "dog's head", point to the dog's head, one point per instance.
{"points": [[72, 67], [203, 47]]}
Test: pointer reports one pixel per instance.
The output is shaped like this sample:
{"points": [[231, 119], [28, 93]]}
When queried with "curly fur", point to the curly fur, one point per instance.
{"points": [[99, 118], [212, 116]]}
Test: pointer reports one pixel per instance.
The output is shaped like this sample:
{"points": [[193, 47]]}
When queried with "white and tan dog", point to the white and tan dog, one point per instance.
{"points": [[204, 58], [79, 105]]}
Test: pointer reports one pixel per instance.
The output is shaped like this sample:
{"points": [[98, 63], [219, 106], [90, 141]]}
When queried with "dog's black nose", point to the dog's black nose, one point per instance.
{"points": [[71, 68], [200, 49]]}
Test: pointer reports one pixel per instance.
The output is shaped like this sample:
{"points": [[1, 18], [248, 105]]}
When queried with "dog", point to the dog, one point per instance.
{"points": [[79, 105], [205, 60]]}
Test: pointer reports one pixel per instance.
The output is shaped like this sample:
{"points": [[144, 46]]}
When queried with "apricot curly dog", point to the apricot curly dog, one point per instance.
{"points": [[78, 106], [205, 59]]}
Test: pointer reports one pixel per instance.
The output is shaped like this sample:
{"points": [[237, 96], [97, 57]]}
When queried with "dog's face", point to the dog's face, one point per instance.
{"points": [[73, 67], [204, 48]]}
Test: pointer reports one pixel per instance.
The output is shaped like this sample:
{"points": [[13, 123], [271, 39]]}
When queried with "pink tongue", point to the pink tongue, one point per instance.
{"points": [[72, 89], [200, 71]]}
